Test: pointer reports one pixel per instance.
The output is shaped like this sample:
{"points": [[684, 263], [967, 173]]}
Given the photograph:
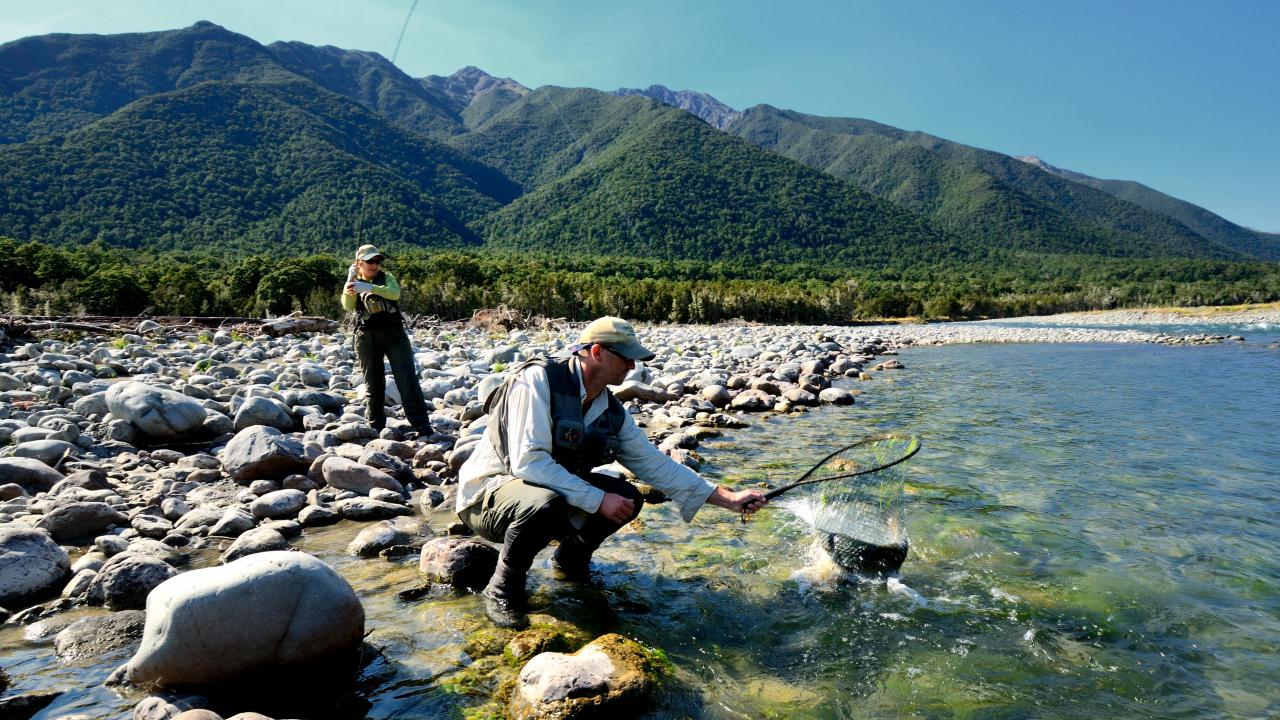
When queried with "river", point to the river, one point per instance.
{"points": [[1092, 534]]}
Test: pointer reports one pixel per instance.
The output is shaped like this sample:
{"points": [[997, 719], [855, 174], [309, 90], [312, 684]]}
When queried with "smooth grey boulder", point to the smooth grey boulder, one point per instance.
{"points": [[255, 541], [461, 562], [345, 474], [234, 521], [81, 520], [752, 401], [126, 579], [151, 526], [800, 396], [48, 451], [278, 504], [91, 637], [263, 452], [264, 411], [147, 547], [264, 612], [32, 474], [717, 395], [31, 564], [836, 396], [79, 585], [362, 508], [355, 432], [313, 375], [377, 537], [316, 516], [158, 413]]}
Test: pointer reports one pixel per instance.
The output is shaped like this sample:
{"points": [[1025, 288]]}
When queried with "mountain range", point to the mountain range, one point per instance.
{"points": [[201, 138]]}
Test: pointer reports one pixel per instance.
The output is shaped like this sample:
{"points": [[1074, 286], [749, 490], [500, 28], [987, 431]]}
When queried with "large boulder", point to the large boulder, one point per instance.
{"points": [[31, 563], [611, 675], [126, 579], [345, 474], [278, 504], [460, 561], [32, 474], [77, 520], [158, 413], [266, 612], [263, 452], [265, 411]]}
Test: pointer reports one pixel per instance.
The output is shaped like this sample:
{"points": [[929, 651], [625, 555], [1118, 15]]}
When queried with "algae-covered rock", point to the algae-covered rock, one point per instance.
{"points": [[461, 562], [612, 674]]}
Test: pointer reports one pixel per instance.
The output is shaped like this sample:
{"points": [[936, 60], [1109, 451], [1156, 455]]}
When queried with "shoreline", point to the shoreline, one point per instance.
{"points": [[283, 446]]}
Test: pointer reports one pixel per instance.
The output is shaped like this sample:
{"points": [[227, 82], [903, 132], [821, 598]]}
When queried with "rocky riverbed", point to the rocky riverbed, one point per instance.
{"points": [[162, 479]]}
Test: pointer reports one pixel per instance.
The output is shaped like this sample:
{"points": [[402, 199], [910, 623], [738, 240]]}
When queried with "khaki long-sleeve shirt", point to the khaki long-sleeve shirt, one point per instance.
{"points": [[529, 440]]}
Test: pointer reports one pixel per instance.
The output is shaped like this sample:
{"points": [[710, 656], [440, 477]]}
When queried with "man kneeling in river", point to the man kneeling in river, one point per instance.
{"points": [[530, 480]]}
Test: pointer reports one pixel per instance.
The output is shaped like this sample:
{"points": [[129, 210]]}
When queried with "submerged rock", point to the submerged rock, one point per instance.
{"points": [[461, 562], [91, 637]]}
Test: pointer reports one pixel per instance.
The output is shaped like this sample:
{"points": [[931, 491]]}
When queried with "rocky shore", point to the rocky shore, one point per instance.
{"points": [[164, 476]]}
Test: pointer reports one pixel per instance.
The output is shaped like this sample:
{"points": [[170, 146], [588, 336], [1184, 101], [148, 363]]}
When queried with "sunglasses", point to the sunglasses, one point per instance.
{"points": [[375, 261], [620, 356]]}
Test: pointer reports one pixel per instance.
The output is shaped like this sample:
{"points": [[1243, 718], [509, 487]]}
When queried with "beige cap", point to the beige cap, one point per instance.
{"points": [[369, 252], [617, 335]]}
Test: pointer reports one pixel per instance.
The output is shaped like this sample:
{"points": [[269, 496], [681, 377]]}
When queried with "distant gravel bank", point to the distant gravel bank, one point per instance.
{"points": [[1241, 314]]}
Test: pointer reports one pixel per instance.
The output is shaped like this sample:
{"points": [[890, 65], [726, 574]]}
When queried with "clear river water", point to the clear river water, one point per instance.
{"points": [[1093, 534]]}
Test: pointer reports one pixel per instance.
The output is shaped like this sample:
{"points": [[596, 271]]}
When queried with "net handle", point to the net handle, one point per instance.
{"points": [[806, 480]]}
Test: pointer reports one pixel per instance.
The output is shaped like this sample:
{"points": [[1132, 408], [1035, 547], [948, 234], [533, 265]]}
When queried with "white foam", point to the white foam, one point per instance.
{"points": [[897, 587]]}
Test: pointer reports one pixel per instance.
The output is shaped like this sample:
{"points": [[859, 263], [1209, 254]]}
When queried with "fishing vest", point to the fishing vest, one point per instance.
{"points": [[373, 307], [575, 446]]}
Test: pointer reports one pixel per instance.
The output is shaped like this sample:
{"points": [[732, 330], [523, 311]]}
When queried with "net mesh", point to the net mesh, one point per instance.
{"points": [[865, 508]]}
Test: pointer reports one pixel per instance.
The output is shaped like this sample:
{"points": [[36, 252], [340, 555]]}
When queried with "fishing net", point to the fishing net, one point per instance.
{"points": [[853, 499]]}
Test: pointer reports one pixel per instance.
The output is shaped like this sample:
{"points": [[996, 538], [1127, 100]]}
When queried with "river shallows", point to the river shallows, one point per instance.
{"points": [[1092, 526]]}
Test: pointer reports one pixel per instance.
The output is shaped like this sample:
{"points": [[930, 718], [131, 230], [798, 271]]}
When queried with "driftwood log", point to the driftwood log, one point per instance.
{"points": [[25, 326], [298, 324]]}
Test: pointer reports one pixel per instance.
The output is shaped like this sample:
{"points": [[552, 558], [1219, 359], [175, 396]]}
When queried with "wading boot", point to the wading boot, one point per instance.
{"points": [[571, 562], [504, 598]]}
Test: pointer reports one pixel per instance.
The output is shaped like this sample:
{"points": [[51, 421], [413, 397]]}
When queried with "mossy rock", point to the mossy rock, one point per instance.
{"points": [[482, 677], [487, 641], [545, 634], [611, 674]]}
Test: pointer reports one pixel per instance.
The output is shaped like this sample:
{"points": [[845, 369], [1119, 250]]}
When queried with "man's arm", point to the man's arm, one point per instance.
{"points": [[685, 487]]}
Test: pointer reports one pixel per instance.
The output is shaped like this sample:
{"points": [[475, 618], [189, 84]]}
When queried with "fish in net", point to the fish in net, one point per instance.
{"points": [[853, 499]]}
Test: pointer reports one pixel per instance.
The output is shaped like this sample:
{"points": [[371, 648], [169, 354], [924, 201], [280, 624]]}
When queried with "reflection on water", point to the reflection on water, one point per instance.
{"points": [[1092, 527]]}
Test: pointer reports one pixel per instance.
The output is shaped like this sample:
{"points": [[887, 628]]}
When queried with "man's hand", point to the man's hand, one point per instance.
{"points": [[617, 508], [743, 501]]}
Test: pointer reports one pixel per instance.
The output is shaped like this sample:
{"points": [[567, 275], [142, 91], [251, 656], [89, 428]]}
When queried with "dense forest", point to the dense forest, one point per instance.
{"points": [[450, 284]]}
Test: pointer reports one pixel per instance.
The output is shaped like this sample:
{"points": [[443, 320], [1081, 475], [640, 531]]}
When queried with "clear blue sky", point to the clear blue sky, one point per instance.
{"points": [[1182, 96]]}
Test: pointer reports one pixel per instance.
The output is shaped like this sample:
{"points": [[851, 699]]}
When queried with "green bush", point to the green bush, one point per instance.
{"points": [[112, 291]]}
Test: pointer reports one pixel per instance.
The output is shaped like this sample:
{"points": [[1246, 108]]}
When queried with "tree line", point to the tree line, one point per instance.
{"points": [[98, 279]]}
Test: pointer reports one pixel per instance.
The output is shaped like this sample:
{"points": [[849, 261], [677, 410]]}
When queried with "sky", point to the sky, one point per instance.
{"points": [[1181, 96]]}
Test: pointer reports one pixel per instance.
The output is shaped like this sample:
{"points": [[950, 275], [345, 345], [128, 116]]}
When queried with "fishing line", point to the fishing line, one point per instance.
{"points": [[373, 145]]}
